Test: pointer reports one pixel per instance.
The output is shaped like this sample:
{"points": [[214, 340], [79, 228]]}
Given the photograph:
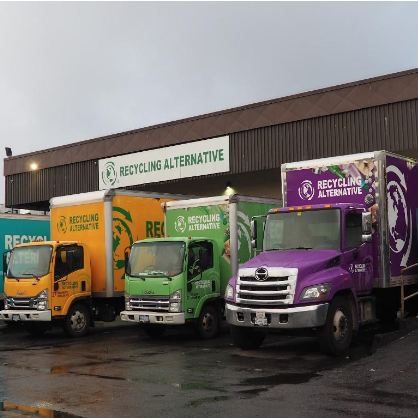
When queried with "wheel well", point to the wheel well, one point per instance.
{"points": [[347, 293], [215, 303]]}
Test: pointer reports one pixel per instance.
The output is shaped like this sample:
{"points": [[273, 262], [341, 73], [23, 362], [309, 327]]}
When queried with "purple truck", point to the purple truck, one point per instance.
{"points": [[332, 257]]}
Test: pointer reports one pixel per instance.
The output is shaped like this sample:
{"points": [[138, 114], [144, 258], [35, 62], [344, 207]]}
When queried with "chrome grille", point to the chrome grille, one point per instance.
{"points": [[150, 303], [277, 289], [22, 303]]}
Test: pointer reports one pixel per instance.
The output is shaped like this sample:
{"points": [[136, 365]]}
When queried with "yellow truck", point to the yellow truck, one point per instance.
{"points": [[78, 276]]}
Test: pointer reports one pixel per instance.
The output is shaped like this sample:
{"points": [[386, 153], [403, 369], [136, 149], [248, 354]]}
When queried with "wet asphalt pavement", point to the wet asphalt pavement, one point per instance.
{"points": [[118, 371]]}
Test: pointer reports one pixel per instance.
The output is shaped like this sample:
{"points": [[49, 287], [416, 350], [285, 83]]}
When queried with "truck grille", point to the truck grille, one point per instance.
{"points": [[149, 303], [275, 286], [22, 303]]}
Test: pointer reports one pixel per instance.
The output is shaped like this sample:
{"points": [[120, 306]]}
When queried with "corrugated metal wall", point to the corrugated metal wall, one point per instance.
{"points": [[393, 127], [34, 189]]}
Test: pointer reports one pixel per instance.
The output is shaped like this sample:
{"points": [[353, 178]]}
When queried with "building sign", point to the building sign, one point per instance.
{"points": [[179, 161]]}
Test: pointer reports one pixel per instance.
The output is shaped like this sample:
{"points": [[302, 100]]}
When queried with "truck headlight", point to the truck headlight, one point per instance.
{"points": [[6, 302], [319, 291], [229, 292], [175, 302], [42, 300], [128, 306]]}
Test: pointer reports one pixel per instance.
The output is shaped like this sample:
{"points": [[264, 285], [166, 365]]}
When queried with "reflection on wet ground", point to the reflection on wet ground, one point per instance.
{"points": [[176, 372], [16, 410]]}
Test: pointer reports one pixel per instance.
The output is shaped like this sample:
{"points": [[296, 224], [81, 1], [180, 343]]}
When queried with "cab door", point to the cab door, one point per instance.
{"points": [[201, 282], [70, 277], [358, 255]]}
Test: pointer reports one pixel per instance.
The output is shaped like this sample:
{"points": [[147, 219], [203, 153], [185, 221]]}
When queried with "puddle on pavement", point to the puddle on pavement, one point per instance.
{"points": [[280, 379], [32, 411], [202, 401]]}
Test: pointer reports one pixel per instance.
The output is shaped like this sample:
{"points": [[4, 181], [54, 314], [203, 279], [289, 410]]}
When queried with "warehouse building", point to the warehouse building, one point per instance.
{"points": [[235, 150]]}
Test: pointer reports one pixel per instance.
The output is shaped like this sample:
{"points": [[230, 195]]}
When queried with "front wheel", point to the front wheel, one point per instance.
{"points": [[77, 321], [208, 323], [247, 338], [335, 336]]}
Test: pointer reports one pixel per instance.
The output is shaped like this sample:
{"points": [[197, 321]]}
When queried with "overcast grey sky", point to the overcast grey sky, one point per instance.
{"points": [[75, 71]]}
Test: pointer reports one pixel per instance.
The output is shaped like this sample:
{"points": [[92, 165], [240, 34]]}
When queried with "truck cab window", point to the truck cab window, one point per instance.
{"points": [[63, 266], [353, 230], [193, 264]]}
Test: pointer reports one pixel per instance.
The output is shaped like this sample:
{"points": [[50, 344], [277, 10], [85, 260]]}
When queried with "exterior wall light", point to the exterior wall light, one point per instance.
{"points": [[229, 189], [34, 166]]}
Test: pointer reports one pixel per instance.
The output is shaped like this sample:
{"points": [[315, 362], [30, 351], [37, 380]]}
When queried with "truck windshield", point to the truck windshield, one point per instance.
{"points": [[30, 261], [160, 258], [304, 230]]}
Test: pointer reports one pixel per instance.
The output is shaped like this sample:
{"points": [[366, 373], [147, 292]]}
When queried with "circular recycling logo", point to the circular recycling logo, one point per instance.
{"points": [[306, 190], [109, 174], [180, 224], [62, 225]]}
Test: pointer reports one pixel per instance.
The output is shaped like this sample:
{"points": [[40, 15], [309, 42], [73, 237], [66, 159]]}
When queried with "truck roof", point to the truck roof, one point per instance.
{"points": [[217, 200], [316, 207], [53, 243], [179, 239], [106, 195]]}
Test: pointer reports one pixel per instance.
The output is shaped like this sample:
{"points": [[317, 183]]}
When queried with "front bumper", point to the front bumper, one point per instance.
{"points": [[290, 318], [165, 318], [26, 315]]}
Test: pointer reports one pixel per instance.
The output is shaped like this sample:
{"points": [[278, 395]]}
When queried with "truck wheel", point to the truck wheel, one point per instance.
{"points": [[36, 328], [335, 336], [247, 338], [77, 321], [154, 330], [208, 323]]}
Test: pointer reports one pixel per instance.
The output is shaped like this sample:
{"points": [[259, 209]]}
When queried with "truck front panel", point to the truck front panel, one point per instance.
{"points": [[41, 282], [19, 229]]}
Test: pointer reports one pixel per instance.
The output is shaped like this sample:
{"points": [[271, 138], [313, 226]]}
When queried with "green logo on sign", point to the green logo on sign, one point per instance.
{"points": [[62, 225], [109, 174], [180, 224]]}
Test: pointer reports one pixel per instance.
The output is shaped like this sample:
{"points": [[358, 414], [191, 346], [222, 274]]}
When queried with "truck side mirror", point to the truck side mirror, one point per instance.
{"points": [[127, 253], [366, 227], [254, 233], [5, 264]]}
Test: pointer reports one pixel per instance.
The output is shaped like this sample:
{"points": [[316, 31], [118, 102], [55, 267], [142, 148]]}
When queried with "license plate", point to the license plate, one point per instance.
{"points": [[260, 319], [16, 317], [143, 318]]}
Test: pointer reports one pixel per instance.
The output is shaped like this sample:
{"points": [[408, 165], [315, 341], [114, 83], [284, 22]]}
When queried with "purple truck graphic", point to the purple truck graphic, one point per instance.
{"points": [[332, 257]]}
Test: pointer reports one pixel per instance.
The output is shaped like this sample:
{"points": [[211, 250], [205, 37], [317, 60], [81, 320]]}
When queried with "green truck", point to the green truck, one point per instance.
{"points": [[181, 278]]}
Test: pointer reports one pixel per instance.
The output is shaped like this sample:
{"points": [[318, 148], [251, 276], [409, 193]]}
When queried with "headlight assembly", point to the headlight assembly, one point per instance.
{"points": [[229, 292], [319, 291]]}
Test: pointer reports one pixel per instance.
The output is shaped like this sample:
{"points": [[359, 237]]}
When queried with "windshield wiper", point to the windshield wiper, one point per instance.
{"points": [[31, 274], [13, 277], [297, 248], [160, 273]]}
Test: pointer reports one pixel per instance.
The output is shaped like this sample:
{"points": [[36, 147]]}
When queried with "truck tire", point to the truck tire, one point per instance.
{"points": [[154, 330], [36, 328], [247, 338], [208, 322], [77, 321], [335, 336]]}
